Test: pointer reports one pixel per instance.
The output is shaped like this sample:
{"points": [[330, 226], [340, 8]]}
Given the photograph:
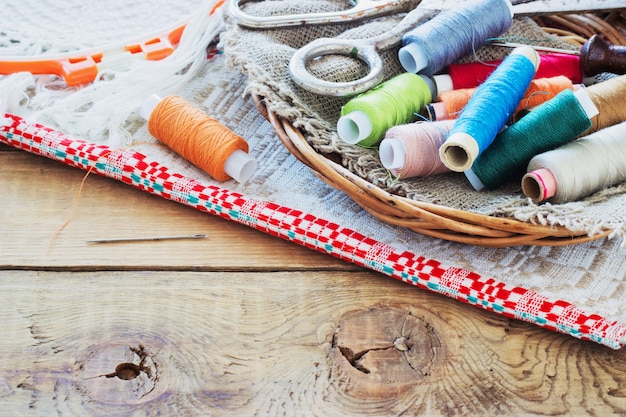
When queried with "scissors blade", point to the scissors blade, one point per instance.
{"points": [[541, 7], [363, 9]]}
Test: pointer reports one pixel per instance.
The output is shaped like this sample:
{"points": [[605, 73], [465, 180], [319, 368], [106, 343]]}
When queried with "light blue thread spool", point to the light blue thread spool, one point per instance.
{"points": [[452, 34], [550, 125], [489, 109]]}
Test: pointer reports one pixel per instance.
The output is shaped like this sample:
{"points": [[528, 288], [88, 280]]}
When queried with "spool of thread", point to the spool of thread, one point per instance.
{"points": [[473, 74], [579, 168], [366, 118], [198, 138], [452, 34], [489, 109], [548, 126], [411, 150], [610, 98], [540, 90]]}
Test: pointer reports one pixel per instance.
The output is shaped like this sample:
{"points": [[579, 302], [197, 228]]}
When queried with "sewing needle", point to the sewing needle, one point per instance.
{"points": [[538, 48], [146, 239]]}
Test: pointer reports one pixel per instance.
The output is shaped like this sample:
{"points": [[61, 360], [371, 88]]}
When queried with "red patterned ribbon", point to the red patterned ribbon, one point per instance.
{"points": [[136, 169]]}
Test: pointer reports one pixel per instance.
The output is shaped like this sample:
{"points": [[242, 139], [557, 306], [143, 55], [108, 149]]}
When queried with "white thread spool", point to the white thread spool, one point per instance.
{"points": [[578, 168]]}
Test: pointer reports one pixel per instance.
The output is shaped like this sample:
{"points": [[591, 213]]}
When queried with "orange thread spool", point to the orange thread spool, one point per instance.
{"points": [[200, 139], [540, 90], [454, 101]]}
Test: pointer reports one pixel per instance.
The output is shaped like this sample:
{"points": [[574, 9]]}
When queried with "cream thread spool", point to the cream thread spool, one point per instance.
{"points": [[566, 174]]}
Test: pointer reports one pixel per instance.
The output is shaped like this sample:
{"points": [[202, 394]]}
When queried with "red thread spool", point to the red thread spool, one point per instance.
{"points": [[471, 75]]}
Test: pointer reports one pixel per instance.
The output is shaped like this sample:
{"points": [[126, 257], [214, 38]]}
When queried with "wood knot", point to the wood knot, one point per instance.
{"points": [[126, 371], [117, 374], [383, 351]]}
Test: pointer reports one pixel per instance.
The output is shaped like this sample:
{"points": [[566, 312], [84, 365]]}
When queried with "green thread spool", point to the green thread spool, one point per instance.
{"points": [[366, 118], [552, 124]]}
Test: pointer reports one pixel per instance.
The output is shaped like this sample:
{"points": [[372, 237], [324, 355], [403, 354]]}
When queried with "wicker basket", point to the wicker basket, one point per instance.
{"points": [[445, 222]]}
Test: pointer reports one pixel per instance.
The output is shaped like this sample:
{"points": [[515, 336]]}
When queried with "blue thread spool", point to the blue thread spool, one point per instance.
{"points": [[452, 34], [489, 109], [365, 118], [550, 125]]}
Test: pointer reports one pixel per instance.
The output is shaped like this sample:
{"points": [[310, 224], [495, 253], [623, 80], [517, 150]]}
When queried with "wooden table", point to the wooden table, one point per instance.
{"points": [[242, 323]]}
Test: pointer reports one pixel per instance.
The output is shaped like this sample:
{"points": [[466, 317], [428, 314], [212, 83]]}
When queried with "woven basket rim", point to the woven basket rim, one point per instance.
{"points": [[425, 218], [428, 218]]}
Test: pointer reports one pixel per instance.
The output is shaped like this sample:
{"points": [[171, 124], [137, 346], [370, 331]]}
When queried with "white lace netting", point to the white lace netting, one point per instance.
{"points": [[34, 27], [105, 110]]}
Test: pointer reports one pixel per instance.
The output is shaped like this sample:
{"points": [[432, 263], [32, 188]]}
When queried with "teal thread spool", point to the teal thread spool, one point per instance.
{"points": [[365, 118], [550, 125], [452, 34], [489, 109]]}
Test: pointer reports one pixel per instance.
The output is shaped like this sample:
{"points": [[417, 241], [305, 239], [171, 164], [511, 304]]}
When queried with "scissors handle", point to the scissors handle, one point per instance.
{"points": [[366, 50], [363, 9], [358, 49]]}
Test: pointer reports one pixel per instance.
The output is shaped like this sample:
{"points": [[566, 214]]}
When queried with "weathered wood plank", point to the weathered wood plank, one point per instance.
{"points": [[285, 343], [37, 198]]}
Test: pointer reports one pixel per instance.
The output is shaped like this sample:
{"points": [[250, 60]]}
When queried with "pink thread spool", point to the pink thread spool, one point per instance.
{"points": [[412, 150]]}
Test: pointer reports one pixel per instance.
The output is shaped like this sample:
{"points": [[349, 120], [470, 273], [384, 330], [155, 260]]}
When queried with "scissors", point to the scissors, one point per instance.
{"points": [[362, 9], [365, 50], [368, 50]]}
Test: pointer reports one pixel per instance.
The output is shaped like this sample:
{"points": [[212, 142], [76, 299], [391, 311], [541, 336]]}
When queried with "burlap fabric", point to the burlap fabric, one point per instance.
{"points": [[264, 56]]}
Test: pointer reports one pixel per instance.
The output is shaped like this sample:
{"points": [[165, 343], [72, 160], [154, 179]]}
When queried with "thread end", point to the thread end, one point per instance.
{"points": [[392, 153], [474, 180], [240, 166], [148, 105], [413, 58], [539, 185], [530, 53], [354, 127], [586, 103], [459, 152], [443, 83]]}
